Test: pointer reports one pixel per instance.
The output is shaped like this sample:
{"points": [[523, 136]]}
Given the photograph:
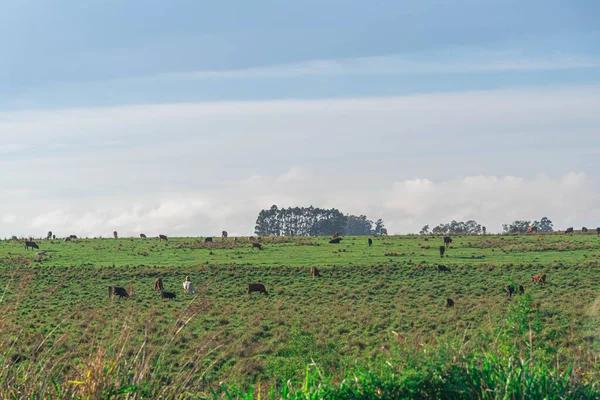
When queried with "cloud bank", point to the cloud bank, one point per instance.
{"points": [[199, 168]]}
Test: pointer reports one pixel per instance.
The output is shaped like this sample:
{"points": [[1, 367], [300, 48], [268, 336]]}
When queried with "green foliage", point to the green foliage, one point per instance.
{"points": [[457, 228]]}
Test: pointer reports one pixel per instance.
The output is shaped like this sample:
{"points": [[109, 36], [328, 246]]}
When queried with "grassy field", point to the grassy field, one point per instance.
{"points": [[376, 310]]}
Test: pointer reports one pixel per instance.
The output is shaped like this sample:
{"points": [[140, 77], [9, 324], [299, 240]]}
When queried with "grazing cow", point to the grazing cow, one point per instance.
{"points": [[68, 239], [447, 241], [53, 237], [370, 242], [584, 229], [383, 231], [449, 303], [224, 235], [510, 290], [115, 234], [531, 229], [598, 231], [208, 240], [188, 286], [336, 235], [257, 246], [569, 230], [73, 236], [257, 287], [168, 295], [539, 278], [117, 291], [49, 235], [259, 239], [335, 240], [442, 251], [483, 230], [158, 285], [162, 237], [33, 245], [142, 236], [314, 272], [443, 268], [521, 289], [40, 253]]}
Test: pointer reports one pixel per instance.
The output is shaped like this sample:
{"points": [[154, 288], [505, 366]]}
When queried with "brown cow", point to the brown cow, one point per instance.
{"points": [[536, 305], [257, 287], [449, 303], [257, 246], [158, 285], [314, 272], [539, 278]]}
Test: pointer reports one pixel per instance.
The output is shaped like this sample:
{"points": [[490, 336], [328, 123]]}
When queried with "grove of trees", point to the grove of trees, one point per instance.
{"points": [[470, 227], [312, 221], [520, 226]]}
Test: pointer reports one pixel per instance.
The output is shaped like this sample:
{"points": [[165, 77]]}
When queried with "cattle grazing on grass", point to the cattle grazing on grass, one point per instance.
{"points": [[335, 240], [443, 268], [158, 285], [208, 240], [115, 234], [168, 295], [33, 245], [483, 230], [569, 230], [53, 237], [257, 287], [162, 237], [68, 239], [49, 235], [142, 236], [117, 291], [442, 251], [598, 231], [447, 241], [584, 229], [383, 231], [532, 229], [510, 290], [449, 303], [188, 286], [314, 272], [521, 289], [370, 242], [257, 246], [539, 278], [73, 236], [224, 235]]}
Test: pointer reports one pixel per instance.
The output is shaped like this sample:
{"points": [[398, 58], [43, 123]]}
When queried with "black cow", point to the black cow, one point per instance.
{"points": [[442, 251], [521, 289], [336, 240], [449, 303], [49, 235], [73, 236], [257, 287], [598, 231], [569, 230], [162, 237], [68, 239], [117, 291], [370, 242], [257, 246], [142, 236], [168, 295], [33, 245], [447, 241], [224, 234], [208, 240], [442, 268], [510, 290], [584, 229]]}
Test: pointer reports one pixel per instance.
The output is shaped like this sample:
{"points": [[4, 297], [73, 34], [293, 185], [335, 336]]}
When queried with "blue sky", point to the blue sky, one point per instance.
{"points": [[188, 117]]}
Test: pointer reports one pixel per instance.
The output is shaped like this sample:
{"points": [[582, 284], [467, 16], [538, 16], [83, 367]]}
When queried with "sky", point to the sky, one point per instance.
{"points": [[188, 117]]}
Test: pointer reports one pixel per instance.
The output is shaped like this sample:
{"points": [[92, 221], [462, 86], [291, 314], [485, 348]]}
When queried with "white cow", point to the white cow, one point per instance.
{"points": [[188, 286]]}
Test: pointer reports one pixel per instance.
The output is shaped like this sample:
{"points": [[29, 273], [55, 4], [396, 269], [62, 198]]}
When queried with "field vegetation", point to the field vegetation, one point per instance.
{"points": [[374, 325]]}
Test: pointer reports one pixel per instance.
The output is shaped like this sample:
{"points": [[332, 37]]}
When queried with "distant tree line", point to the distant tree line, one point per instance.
{"points": [[543, 225], [470, 227], [313, 221]]}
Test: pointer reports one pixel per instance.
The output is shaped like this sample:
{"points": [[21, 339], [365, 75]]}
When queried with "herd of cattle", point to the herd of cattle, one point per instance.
{"points": [[188, 287]]}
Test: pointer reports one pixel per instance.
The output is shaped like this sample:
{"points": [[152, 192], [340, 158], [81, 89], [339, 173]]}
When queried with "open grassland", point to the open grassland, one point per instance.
{"points": [[376, 315]]}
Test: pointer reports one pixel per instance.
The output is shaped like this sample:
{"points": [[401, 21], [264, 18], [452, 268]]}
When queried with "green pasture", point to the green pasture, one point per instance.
{"points": [[371, 306]]}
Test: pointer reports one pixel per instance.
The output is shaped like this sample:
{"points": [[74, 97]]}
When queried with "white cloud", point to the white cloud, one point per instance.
{"points": [[199, 168], [457, 61]]}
